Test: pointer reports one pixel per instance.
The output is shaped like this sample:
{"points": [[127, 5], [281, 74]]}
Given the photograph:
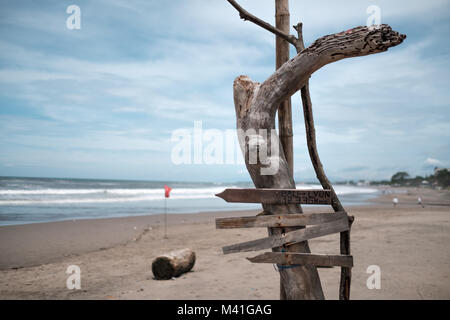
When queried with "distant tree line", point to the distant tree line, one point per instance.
{"points": [[440, 178]]}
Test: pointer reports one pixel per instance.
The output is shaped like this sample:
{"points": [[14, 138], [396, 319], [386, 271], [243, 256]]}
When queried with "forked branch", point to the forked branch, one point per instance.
{"points": [[245, 15]]}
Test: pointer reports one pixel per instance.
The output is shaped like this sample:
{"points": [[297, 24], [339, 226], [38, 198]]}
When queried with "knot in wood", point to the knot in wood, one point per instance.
{"points": [[244, 90]]}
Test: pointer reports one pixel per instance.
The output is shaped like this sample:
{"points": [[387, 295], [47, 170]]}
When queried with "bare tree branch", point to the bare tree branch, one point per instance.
{"points": [[311, 133], [301, 44], [346, 272], [245, 15], [292, 76]]}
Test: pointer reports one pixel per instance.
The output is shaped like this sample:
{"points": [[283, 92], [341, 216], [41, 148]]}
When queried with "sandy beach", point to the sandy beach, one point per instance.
{"points": [[409, 243]]}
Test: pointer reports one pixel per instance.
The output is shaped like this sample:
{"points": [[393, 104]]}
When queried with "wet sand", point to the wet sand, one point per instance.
{"points": [[409, 243]]}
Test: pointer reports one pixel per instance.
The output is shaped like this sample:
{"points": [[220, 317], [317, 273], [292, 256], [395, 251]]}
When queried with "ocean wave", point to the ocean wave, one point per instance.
{"points": [[110, 191], [78, 196], [107, 200]]}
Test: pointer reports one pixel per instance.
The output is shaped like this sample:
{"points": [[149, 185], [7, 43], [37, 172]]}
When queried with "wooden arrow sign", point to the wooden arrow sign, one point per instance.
{"points": [[290, 237], [276, 196], [278, 221], [289, 258]]}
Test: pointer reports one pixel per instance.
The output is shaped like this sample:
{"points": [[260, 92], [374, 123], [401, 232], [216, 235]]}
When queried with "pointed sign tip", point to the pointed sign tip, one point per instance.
{"points": [[256, 258], [220, 194]]}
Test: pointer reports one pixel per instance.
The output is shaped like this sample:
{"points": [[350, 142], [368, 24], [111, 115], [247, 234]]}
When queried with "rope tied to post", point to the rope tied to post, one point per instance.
{"points": [[279, 267]]}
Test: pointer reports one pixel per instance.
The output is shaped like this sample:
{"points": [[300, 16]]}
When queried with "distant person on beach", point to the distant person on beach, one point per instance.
{"points": [[395, 202], [419, 202]]}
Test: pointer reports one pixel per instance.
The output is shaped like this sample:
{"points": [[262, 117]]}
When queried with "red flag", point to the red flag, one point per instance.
{"points": [[167, 191]]}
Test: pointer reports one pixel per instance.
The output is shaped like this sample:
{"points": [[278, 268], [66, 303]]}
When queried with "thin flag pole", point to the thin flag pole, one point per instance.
{"points": [[166, 195], [165, 218]]}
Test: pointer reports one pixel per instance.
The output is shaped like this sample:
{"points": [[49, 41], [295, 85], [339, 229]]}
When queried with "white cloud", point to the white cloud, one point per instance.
{"points": [[179, 64], [433, 162]]}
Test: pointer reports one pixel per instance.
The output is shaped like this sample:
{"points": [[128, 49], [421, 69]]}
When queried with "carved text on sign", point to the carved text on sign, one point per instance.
{"points": [[309, 197], [276, 196]]}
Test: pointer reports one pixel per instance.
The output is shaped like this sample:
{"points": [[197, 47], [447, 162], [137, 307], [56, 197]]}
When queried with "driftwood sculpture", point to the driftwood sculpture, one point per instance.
{"points": [[256, 106]]}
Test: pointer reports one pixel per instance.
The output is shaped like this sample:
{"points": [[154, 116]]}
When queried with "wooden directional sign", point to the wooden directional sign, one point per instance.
{"points": [[289, 258], [276, 196], [274, 221], [290, 237]]}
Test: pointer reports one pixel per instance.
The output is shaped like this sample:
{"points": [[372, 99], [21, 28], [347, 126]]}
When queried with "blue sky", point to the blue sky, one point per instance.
{"points": [[103, 101]]}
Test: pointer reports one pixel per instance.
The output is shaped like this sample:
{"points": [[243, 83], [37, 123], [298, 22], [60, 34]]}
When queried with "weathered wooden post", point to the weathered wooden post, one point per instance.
{"points": [[256, 105], [282, 22]]}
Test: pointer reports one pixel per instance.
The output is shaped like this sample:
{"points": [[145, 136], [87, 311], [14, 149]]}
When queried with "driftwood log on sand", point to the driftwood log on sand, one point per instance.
{"points": [[173, 264]]}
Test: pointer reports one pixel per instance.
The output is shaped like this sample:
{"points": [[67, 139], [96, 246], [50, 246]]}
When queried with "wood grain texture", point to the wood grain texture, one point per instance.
{"points": [[289, 258], [277, 221], [282, 22], [289, 238], [276, 196]]}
